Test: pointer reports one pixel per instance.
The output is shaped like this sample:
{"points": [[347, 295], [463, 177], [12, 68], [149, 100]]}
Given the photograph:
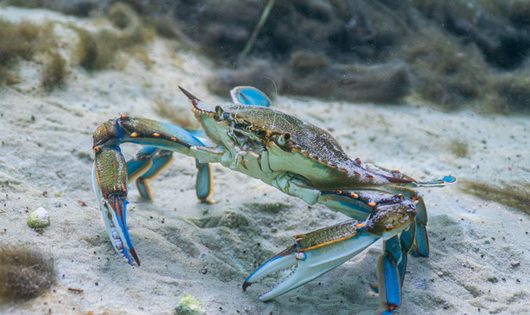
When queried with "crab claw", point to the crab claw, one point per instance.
{"points": [[109, 181], [317, 252], [309, 263]]}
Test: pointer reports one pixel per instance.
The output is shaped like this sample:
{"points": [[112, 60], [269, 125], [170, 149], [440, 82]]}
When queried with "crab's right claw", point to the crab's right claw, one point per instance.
{"points": [[317, 252], [314, 254], [109, 180]]}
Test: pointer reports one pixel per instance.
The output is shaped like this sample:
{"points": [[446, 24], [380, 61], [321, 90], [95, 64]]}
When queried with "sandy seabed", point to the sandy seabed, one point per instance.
{"points": [[479, 260]]}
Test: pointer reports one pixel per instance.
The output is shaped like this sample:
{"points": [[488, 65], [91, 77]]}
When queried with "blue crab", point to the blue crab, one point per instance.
{"points": [[294, 156]]}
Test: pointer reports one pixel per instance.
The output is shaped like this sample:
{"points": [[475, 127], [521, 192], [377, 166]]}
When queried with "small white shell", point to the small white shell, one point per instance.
{"points": [[39, 218]]}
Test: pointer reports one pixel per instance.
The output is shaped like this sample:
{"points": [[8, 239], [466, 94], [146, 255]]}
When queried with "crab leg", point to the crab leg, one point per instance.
{"points": [[148, 163], [140, 163], [395, 176], [203, 184], [151, 161], [420, 247], [394, 259], [391, 273]]}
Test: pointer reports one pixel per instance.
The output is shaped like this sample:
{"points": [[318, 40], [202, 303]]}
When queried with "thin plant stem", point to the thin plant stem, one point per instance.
{"points": [[261, 22]]}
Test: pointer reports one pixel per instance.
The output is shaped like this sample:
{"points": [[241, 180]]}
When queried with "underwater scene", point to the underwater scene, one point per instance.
{"points": [[269, 157]]}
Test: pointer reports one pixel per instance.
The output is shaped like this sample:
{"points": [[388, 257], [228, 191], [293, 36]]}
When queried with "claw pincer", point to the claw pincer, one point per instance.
{"points": [[318, 252], [110, 185]]}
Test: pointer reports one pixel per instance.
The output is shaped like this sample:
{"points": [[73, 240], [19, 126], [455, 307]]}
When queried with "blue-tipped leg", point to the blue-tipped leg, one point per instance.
{"points": [[421, 239], [147, 164], [203, 185], [394, 249], [439, 182], [248, 95], [407, 237], [151, 161], [389, 278], [141, 163], [160, 161]]}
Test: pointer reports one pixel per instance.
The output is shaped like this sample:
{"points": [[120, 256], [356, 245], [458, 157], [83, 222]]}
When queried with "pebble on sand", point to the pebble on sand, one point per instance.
{"points": [[39, 219]]}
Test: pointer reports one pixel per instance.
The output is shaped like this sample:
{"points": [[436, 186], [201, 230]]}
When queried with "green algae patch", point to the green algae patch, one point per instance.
{"points": [[30, 42], [98, 50], [189, 305], [273, 207], [459, 148], [24, 273], [54, 71], [17, 41], [516, 196]]}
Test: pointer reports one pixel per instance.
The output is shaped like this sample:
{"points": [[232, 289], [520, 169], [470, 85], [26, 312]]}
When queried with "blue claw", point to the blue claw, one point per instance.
{"points": [[308, 265], [109, 181], [119, 205]]}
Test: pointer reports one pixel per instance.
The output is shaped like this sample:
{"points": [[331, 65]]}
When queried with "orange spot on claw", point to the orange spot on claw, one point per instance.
{"points": [[156, 134], [123, 116], [359, 225], [173, 139], [354, 195], [372, 204], [134, 134], [97, 149]]}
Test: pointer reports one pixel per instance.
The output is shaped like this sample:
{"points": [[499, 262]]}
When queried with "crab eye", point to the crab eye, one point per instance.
{"points": [[219, 113], [281, 140]]}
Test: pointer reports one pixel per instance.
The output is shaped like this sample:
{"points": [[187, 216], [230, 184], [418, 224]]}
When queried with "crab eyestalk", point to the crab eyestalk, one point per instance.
{"points": [[109, 180]]}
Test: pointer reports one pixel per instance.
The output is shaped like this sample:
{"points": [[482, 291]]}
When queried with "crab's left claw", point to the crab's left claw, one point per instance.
{"points": [[313, 254], [109, 180]]}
